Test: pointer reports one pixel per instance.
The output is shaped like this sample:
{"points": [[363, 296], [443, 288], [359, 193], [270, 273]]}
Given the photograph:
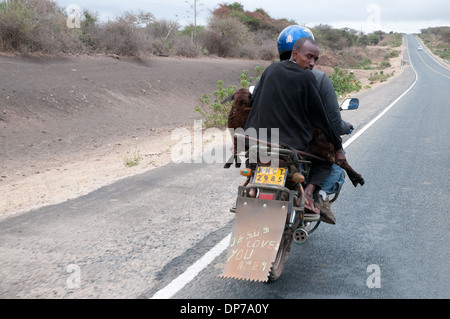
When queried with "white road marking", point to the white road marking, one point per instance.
{"points": [[182, 280]]}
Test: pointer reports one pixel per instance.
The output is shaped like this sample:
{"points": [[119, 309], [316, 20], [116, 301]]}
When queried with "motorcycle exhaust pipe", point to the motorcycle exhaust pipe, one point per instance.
{"points": [[300, 235]]}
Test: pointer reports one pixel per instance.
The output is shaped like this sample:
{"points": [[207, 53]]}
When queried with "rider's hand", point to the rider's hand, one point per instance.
{"points": [[340, 157]]}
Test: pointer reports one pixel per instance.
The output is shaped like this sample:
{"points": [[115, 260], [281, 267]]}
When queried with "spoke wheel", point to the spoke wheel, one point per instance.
{"points": [[278, 264]]}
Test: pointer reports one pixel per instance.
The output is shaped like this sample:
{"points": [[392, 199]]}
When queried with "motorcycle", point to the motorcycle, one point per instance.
{"points": [[270, 209]]}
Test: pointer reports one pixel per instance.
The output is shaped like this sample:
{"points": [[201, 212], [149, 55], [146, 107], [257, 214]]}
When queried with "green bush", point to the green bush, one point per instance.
{"points": [[363, 63], [214, 112], [211, 108], [379, 77], [337, 39], [444, 54], [391, 54], [247, 81], [384, 64], [344, 82], [89, 30]]}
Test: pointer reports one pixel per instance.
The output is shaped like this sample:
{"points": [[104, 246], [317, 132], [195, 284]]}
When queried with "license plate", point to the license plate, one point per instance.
{"points": [[270, 175]]}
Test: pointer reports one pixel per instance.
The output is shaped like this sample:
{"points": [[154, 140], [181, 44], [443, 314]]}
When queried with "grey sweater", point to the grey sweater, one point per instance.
{"points": [[331, 103]]}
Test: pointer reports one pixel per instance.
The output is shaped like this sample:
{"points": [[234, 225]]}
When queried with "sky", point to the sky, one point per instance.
{"points": [[406, 16]]}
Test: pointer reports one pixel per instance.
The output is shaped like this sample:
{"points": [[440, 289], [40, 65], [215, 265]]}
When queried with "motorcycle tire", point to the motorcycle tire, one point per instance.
{"points": [[278, 264]]}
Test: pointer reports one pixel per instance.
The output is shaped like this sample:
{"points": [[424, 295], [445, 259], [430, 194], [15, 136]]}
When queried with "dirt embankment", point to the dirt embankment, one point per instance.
{"points": [[69, 124]]}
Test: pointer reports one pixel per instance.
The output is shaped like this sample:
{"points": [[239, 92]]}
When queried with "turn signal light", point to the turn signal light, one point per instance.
{"points": [[298, 178], [246, 172]]}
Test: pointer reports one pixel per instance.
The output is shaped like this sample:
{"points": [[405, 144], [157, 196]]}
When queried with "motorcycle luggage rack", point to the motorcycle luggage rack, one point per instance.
{"points": [[307, 217], [283, 155], [259, 142]]}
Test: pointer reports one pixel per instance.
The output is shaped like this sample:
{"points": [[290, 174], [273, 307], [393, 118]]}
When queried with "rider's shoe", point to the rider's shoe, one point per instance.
{"points": [[326, 215]]}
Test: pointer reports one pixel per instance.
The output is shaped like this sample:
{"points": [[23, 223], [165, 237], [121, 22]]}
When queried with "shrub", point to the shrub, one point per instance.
{"points": [[119, 37], [36, 25], [15, 25], [225, 37], [344, 82], [246, 81], [255, 21], [374, 39], [363, 63], [384, 64], [184, 46], [260, 45], [163, 34], [337, 39], [50, 33], [214, 112], [90, 31], [379, 77], [391, 54], [211, 108], [392, 39], [191, 32]]}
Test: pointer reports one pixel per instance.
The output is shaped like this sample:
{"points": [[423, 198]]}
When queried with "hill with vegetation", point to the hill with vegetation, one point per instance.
{"points": [[437, 39], [41, 26]]}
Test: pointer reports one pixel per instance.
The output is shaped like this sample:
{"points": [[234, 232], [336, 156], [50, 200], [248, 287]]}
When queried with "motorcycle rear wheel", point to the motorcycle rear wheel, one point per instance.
{"points": [[278, 264]]}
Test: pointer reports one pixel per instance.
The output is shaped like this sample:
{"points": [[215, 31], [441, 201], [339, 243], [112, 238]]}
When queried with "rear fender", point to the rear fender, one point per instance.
{"points": [[257, 231]]}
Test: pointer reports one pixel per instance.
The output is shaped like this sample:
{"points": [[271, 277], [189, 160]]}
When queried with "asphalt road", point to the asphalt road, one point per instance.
{"points": [[132, 238]]}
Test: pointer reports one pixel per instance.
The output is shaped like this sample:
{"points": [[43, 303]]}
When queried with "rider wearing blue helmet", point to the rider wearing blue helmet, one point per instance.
{"points": [[287, 38], [310, 52]]}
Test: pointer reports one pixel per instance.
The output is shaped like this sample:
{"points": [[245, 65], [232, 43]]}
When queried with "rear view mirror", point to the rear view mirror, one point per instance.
{"points": [[350, 104]]}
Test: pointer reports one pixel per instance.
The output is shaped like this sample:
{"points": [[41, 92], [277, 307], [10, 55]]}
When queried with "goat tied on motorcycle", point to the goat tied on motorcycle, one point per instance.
{"points": [[321, 147], [240, 109]]}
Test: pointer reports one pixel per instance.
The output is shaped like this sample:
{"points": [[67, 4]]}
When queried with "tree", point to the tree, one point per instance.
{"points": [[373, 39]]}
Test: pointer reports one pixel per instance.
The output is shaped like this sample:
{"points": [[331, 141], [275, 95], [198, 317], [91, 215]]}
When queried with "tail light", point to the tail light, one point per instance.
{"points": [[266, 196]]}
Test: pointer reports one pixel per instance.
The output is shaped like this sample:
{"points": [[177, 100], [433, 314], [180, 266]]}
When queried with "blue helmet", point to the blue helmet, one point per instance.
{"points": [[289, 36]]}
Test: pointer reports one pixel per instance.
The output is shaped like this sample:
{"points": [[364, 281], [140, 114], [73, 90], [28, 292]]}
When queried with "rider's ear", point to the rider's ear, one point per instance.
{"points": [[294, 54]]}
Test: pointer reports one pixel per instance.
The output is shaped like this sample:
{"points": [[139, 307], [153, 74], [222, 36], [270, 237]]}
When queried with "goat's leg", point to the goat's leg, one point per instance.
{"points": [[352, 174]]}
